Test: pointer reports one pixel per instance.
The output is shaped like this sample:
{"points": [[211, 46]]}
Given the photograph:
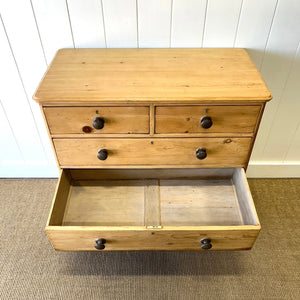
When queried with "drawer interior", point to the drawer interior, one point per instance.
{"points": [[168, 197]]}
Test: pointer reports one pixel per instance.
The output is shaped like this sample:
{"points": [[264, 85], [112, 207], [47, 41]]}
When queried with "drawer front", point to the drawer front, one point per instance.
{"points": [[76, 239], [80, 120], [220, 152], [208, 119]]}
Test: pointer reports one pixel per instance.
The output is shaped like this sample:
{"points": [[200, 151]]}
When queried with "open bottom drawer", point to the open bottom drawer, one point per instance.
{"points": [[161, 209]]}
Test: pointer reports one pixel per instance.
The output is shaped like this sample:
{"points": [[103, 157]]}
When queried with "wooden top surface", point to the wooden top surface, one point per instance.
{"points": [[151, 75]]}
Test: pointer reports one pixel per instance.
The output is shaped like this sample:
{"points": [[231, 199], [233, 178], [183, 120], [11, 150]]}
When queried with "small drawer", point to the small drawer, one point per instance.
{"points": [[97, 120], [173, 209], [205, 152], [207, 119]]}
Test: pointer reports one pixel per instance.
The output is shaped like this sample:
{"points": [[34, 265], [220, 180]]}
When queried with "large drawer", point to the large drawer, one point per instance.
{"points": [[220, 152], [80, 120], [208, 119], [158, 209]]}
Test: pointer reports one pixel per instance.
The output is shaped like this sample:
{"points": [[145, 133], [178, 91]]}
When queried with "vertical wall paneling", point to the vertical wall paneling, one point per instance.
{"points": [[9, 150], [17, 109], [293, 154], [28, 54], [88, 32], [277, 64], [31, 31], [154, 19], [120, 23], [288, 111], [222, 19], [254, 27], [188, 23], [54, 25]]}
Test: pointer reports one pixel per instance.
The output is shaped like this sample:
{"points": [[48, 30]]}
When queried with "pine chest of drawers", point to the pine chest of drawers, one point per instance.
{"points": [[152, 145]]}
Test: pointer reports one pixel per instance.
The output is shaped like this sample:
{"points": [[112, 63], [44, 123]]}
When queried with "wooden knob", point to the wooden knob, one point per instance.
{"points": [[98, 123], [206, 244], [100, 244], [201, 153], [102, 154], [206, 122]]}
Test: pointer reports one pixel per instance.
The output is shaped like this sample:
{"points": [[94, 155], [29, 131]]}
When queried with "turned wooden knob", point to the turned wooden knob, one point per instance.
{"points": [[102, 154], [206, 244], [100, 244], [206, 122], [201, 153], [98, 123]]}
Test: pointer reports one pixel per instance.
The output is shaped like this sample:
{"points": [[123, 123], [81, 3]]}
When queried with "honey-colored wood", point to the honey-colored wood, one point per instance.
{"points": [[152, 119], [137, 75], [152, 203], [160, 135], [255, 133], [120, 211], [60, 199], [49, 135], [80, 238], [72, 120], [198, 202], [152, 192], [106, 203], [186, 119], [119, 103], [220, 152]]}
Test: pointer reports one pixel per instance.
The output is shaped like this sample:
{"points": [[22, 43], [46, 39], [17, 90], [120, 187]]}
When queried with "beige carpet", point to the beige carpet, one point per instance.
{"points": [[31, 269]]}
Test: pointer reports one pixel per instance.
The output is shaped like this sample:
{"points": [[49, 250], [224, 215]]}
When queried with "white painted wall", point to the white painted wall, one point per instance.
{"points": [[32, 30]]}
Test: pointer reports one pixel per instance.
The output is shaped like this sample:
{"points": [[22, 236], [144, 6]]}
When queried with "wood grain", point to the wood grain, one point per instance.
{"points": [[152, 203], [198, 202], [79, 238], [221, 152], [71, 120], [186, 119], [106, 203], [152, 75], [120, 211], [244, 197], [61, 196]]}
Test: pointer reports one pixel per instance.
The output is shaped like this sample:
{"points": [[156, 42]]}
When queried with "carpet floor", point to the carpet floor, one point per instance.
{"points": [[31, 269]]}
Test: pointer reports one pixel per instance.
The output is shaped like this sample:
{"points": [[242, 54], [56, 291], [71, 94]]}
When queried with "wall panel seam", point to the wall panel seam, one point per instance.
{"points": [[298, 124], [70, 23], [24, 90], [280, 99], [104, 29], [39, 34], [268, 38], [171, 25], [204, 23], [238, 23], [137, 24], [12, 132]]}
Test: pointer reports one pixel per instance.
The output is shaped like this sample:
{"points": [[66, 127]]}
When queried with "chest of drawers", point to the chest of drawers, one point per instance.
{"points": [[152, 145]]}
